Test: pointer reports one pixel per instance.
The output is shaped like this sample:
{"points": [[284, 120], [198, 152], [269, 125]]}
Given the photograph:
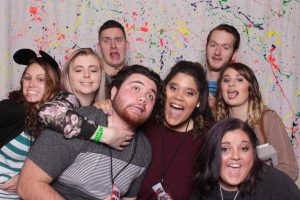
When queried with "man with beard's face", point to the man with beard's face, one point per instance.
{"points": [[75, 167]]}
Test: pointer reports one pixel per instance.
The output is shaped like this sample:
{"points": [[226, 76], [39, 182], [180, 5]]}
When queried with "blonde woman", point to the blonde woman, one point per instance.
{"points": [[81, 79]]}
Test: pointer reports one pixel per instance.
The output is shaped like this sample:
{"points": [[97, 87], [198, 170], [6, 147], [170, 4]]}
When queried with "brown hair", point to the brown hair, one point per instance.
{"points": [[229, 29], [255, 100], [52, 87]]}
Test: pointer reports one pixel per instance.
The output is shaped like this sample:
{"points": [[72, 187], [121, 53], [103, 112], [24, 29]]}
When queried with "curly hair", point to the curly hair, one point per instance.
{"points": [[255, 100], [52, 87], [201, 115]]}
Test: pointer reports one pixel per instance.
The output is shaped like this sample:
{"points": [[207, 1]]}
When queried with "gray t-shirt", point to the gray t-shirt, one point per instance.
{"points": [[82, 169]]}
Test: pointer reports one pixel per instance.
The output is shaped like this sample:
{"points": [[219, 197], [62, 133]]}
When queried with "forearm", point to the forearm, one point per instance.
{"points": [[38, 191]]}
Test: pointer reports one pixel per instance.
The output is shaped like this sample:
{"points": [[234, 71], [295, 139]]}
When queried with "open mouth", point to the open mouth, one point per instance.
{"points": [[235, 165], [33, 92], [232, 94], [114, 55], [176, 107]]}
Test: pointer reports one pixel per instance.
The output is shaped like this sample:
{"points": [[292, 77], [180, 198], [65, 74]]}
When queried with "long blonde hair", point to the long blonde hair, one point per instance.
{"points": [[255, 100]]}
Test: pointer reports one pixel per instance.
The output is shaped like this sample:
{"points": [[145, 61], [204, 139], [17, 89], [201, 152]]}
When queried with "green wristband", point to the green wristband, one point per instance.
{"points": [[99, 134]]}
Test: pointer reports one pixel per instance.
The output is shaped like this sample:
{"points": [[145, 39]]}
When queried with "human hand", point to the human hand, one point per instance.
{"points": [[115, 137], [104, 105], [11, 184]]}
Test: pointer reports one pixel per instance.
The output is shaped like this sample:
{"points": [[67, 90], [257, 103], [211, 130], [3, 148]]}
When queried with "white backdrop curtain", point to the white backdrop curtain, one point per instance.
{"points": [[161, 32]]}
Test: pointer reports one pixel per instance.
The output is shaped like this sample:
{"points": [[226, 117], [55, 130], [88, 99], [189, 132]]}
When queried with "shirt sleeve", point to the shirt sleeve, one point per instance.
{"points": [[59, 115], [53, 153], [278, 137]]}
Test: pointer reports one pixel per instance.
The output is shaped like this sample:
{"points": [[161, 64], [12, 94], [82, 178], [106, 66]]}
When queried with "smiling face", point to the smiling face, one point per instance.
{"points": [[85, 75], [182, 97], [113, 46], [237, 159], [219, 50], [234, 89], [133, 102], [33, 83]]}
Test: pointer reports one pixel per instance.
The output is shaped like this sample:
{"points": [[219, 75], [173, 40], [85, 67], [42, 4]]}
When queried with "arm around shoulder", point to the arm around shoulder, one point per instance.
{"points": [[34, 183]]}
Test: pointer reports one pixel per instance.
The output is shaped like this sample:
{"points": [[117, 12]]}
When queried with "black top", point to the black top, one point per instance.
{"points": [[12, 121], [275, 185]]}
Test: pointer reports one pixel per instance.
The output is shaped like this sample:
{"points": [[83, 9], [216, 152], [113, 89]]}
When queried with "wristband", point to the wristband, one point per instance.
{"points": [[99, 134]]}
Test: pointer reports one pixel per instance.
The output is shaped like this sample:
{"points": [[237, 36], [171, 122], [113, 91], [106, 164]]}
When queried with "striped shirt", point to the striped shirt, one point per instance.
{"points": [[12, 157]]}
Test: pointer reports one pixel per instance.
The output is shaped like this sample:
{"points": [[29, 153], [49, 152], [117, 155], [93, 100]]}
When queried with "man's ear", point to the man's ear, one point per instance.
{"points": [[127, 45], [113, 92], [234, 56]]}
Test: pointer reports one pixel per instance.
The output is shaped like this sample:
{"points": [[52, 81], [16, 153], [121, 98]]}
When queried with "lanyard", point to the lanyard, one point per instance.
{"points": [[165, 171], [129, 161]]}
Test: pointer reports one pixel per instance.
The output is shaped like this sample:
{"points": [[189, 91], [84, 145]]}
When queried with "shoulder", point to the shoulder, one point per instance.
{"points": [[7, 104], [277, 181], [68, 98], [269, 113], [143, 145], [92, 113]]}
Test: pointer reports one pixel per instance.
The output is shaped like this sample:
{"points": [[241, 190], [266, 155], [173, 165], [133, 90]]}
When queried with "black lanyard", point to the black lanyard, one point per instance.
{"points": [[129, 161], [165, 171]]}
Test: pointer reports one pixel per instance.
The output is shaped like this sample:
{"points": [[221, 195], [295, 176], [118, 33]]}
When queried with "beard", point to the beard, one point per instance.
{"points": [[131, 118]]}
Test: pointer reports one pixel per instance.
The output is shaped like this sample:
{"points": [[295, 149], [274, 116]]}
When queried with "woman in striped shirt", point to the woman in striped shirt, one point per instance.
{"points": [[40, 82]]}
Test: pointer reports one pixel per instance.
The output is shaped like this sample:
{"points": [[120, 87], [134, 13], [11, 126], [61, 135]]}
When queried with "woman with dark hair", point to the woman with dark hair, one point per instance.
{"points": [[239, 97], [39, 83], [228, 167], [175, 139]]}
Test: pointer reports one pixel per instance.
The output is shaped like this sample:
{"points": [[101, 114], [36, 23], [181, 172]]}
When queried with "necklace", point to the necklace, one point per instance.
{"points": [[222, 193]]}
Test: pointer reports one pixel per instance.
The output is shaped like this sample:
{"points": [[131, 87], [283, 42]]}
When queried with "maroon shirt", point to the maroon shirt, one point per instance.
{"points": [[178, 180]]}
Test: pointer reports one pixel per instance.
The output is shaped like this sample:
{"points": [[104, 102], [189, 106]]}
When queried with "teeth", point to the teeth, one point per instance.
{"points": [[176, 106], [32, 92], [235, 165]]}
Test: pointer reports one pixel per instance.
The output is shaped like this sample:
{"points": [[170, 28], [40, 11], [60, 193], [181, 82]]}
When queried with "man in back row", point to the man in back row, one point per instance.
{"points": [[58, 168], [112, 47], [221, 46]]}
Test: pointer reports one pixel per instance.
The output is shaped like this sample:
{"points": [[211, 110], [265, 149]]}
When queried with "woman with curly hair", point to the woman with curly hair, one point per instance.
{"points": [[239, 97], [39, 83], [176, 137]]}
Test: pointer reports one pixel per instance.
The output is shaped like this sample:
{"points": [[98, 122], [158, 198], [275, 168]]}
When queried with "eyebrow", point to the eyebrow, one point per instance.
{"points": [[186, 88], [107, 37], [81, 66], [26, 73], [222, 44], [141, 83], [243, 141]]}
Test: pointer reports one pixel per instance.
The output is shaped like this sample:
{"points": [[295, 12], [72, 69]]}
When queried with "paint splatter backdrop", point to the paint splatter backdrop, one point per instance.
{"points": [[161, 32]]}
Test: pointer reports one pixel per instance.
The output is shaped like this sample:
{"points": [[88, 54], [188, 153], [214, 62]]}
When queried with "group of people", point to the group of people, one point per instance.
{"points": [[192, 136]]}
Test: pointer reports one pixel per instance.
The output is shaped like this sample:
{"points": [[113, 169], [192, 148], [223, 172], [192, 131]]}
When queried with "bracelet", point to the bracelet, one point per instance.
{"points": [[99, 134]]}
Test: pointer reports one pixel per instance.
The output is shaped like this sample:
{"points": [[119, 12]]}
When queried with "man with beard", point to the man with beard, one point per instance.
{"points": [[221, 46], [59, 168], [112, 47]]}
